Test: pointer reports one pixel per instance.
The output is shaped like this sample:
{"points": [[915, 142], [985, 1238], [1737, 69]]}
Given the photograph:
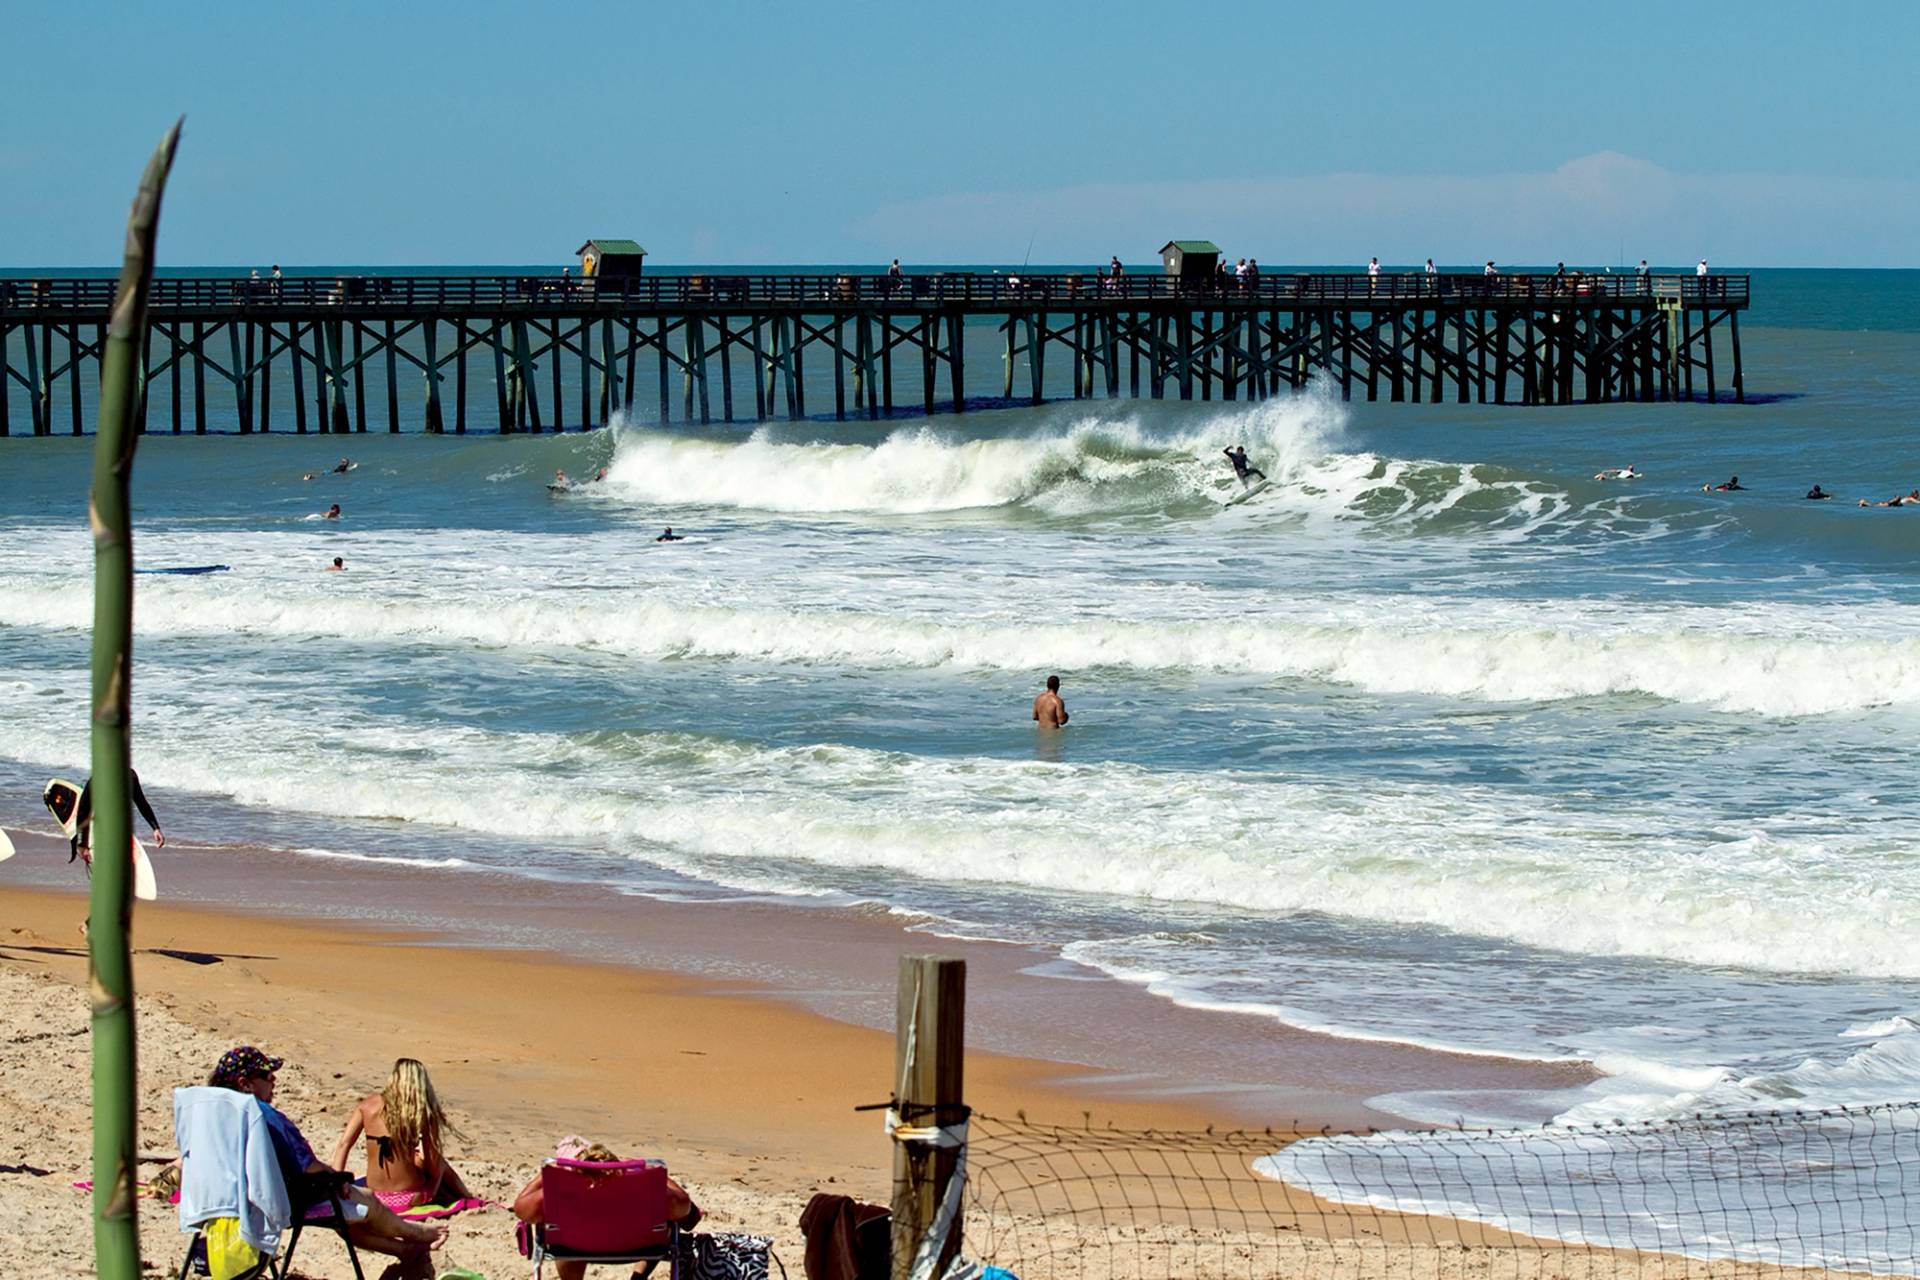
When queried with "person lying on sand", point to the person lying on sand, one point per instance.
{"points": [[402, 1124], [530, 1205], [370, 1223], [1897, 500]]}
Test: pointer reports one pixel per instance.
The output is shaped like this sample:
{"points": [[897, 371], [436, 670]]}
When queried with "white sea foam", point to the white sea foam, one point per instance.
{"points": [[1471, 650]]}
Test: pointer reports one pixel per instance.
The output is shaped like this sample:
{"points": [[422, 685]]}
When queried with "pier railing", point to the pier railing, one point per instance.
{"points": [[1018, 290]]}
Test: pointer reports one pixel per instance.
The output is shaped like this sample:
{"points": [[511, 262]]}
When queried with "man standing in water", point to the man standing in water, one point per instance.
{"points": [[1049, 709]]}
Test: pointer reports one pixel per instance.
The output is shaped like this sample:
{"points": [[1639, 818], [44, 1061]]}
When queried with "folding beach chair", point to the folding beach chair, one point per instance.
{"points": [[222, 1130], [306, 1191], [614, 1212]]}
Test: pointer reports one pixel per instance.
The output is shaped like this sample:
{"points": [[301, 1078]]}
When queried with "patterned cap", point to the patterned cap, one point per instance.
{"points": [[238, 1064]]}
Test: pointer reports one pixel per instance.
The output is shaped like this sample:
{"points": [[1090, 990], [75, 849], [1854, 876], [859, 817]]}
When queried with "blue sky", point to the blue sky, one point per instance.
{"points": [[1754, 134]]}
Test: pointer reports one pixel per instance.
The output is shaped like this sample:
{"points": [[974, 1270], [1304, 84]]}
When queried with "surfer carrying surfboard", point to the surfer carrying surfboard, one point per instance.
{"points": [[82, 836], [1237, 455]]}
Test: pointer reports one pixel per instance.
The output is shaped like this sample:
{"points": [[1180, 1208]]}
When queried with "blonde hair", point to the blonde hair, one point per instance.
{"points": [[413, 1114], [597, 1153]]}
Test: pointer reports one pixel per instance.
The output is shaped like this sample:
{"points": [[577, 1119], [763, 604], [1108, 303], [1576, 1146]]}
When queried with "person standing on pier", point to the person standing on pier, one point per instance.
{"points": [[1491, 269], [1253, 273], [1114, 268], [1373, 273], [894, 275], [1431, 269], [1701, 270]]}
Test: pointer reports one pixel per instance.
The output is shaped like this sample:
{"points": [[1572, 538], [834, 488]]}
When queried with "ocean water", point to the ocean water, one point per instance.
{"points": [[1438, 740]]}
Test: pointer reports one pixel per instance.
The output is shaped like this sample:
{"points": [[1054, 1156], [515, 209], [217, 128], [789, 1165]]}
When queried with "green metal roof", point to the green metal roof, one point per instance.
{"points": [[1191, 246], [604, 247]]}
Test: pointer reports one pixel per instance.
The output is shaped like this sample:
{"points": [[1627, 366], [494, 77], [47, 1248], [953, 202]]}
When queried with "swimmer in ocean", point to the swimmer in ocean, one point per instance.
{"points": [[1050, 709], [1618, 473], [343, 466], [1732, 485], [339, 565], [1897, 500], [669, 536], [331, 513], [1817, 494], [1238, 457], [560, 480]]}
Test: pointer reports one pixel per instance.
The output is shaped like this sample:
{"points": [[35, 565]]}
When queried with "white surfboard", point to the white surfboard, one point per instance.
{"points": [[62, 799], [6, 847], [1252, 489]]}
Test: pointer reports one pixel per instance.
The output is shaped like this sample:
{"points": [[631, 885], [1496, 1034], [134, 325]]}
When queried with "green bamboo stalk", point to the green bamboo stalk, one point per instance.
{"points": [[116, 1225]]}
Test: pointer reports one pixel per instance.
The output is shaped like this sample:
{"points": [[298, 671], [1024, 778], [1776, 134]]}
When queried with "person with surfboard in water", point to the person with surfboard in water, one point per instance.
{"points": [[1241, 467]]}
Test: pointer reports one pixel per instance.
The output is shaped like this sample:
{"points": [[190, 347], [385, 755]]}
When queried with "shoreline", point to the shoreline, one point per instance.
{"points": [[1114, 1040]]}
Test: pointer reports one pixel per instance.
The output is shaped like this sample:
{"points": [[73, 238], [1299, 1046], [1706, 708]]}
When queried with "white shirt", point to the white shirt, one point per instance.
{"points": [[1701, 269], [1431, 269], [1373, 268], [1489, 271]]}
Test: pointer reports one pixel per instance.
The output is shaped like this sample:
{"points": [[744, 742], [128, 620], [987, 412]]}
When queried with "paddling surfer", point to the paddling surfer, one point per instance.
{"points": [[1050, 709], [670, 536], [1241, 467], [1733, 485]]}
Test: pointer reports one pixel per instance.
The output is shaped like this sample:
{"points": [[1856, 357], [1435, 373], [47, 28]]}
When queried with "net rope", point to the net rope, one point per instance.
{"points": [[1754, 1194]]}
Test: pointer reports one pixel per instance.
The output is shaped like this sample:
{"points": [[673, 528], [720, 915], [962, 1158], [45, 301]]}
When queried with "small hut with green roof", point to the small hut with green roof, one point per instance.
{"points": [[610, 259], [1190, 259]]}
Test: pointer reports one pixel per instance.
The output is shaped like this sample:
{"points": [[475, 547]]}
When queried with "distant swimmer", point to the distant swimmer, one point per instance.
{"points": [[343, 466], [311, 475], [560, 481], [1049, 709], [339, 565], [331, 513], [669, 536], [600, 475], [1732, 485], [1619, 473], [1897, 500], [1238, 457], [1817, 494]]}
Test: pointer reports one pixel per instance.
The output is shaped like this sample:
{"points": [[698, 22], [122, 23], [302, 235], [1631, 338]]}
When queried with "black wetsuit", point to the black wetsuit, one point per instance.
{"points": [[1240, 467], [83, 812]]}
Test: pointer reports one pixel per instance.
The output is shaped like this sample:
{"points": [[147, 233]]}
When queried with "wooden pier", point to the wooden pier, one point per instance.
{"points": [[302, 352]]}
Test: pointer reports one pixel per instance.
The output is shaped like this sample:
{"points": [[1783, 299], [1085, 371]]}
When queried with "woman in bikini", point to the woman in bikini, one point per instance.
{"points": [[403, 1124]]}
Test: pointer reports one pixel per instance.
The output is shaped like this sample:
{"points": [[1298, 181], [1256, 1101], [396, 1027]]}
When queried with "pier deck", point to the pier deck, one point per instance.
{"points": [[1509, 339]]}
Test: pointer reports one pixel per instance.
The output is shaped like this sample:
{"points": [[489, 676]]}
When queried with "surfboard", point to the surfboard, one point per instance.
{"points": [[63, 801], [559, 488], [6, 847], [1239, 498], [189, 568]]}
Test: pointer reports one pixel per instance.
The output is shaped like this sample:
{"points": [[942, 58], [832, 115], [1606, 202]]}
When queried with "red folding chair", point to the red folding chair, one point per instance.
{"points": [[614, 1212]]}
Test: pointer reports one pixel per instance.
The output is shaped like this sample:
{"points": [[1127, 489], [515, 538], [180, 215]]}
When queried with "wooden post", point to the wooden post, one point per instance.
{"points": [[239, 379], [840, 368], [726, 366], [6, 390], [1739, 377], [760, 372], [957, 358], [393, 384], [359, 378], [299, 380], [1037, 355], [660, 350], [583, 335], [199, 379], [1006, 389], [73, 375], [929, 1056], [36, 389], [928, 378], [430, 332], [460, 379], [559, 391]]}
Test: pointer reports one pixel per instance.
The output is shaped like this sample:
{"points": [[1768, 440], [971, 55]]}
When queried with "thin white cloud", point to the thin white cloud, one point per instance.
{"points": [[1591, 210]]}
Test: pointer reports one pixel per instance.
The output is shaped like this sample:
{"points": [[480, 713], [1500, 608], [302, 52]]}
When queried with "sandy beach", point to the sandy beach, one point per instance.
{"points": [[740, 1084]]}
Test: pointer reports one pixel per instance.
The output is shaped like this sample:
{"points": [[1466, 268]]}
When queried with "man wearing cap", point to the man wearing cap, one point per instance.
{"points": [[370, 1224]]}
